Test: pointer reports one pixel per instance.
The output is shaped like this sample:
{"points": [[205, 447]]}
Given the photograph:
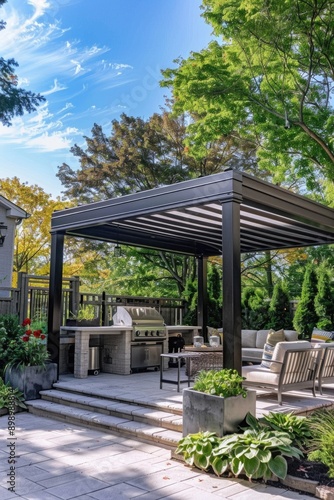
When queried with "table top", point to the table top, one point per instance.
{"points": [[191, 348], [180, 354]]}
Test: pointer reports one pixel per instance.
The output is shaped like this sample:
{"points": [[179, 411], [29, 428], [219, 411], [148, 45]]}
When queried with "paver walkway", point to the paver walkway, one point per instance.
{"points": [[55, 460]]}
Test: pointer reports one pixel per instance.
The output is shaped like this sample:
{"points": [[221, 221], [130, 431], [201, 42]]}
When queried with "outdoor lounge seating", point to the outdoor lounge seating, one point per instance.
{"points": [[294, 366], [326, 370]]}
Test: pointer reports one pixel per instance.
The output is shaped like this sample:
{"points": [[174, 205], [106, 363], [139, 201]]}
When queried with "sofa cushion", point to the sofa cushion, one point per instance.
{"points": [[248, 338], [290, 335], [251, 354], [261, 338], [281, 348]]}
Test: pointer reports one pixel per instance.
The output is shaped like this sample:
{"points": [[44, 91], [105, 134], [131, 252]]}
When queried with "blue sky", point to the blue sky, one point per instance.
{"points": [[92, 60]]}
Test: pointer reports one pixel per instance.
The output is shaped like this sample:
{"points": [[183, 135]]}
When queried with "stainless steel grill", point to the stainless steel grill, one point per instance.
{"points": [[146, 322]]}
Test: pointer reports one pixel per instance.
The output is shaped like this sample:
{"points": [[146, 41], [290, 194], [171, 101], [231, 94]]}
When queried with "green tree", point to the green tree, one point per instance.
{"points": [[306, 317], [270, 79], [279, 309], [324, 301], [14, 101], [32, 238]]}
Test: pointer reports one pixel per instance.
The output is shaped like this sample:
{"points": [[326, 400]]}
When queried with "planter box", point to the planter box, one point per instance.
{"points": [[32, 379], [204, 412], [83, 322]]}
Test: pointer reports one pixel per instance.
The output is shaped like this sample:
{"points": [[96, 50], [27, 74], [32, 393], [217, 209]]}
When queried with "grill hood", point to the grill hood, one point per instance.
{"points": [[137, 316]]}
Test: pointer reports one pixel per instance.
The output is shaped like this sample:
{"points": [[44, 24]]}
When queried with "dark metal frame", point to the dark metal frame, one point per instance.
{"points": [[224, 214]]}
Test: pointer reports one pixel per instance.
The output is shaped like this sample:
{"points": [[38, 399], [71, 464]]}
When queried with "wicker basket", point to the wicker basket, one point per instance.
{"points": [[205, 361]]}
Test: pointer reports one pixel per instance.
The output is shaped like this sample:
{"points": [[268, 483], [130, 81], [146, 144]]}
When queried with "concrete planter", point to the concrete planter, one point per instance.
{"points": [[204, 412], [30, 380]]}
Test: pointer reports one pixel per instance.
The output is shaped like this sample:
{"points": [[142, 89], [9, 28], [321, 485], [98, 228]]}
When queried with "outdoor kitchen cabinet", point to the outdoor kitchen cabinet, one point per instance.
{"points": [[146, 355]]}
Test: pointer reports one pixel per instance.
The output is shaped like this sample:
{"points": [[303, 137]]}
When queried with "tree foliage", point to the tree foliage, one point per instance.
{"points": [[144, 154], [324, 301], [279, 309], [270, 78], [306, 317], [14, 101], [32, 239]]}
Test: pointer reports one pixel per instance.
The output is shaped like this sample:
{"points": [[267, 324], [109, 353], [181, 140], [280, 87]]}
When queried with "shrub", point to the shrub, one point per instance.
{"points": [[322, 448], [10, 396], [224, 383]]}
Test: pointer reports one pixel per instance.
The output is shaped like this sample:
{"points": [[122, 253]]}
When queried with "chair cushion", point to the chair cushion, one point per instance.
{"points": [[248, 338], [251, 354], [281, 348], [321, 336], [260, 375]]}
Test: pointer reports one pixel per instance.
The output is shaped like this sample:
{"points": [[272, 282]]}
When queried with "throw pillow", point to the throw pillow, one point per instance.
{"points": [[321, 336], [267, 355], [274, 337]]}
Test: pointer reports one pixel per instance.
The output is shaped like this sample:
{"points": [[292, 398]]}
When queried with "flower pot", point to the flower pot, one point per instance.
{"points": [[205, 412], [30, 380]]}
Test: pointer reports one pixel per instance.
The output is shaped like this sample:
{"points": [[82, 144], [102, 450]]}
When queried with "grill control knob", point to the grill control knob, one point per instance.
{"points": [[137, 333], [158, 333], [146, 333]]}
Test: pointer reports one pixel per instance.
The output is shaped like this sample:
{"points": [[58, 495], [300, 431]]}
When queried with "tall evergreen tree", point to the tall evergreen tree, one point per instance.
{"points": [[306, 317], [324, 301], [279, 309]]}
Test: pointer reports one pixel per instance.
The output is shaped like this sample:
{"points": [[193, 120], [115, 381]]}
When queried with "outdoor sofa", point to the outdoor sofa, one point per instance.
{"points": [[293, 366]]}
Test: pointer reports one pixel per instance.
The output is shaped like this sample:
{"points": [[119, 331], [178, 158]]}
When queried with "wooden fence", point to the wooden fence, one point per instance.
{"points": [[31, 300]]}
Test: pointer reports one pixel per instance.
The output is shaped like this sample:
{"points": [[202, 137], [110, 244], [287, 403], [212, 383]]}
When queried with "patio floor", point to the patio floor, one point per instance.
{"points": [[144, 387]]}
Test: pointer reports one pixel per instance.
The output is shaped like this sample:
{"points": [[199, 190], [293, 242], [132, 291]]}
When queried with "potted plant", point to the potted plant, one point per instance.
{"points": [[85, 316], [29, 369], [217, 403]]}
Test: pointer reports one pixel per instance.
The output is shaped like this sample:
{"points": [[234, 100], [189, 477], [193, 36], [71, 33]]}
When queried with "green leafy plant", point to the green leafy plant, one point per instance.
{"points": [[225, 383], [322, 445], [197, 449], [297, 427], [86, 312], [257, 453], [10, 397]]}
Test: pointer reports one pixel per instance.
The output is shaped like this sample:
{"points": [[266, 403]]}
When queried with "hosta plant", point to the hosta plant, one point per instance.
{"points": [[197, 449], [297, 427], [257, 453], [10, 397]]}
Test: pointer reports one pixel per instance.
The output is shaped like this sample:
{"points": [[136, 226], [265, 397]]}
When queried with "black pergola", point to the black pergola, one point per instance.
{"points": [[224, 214]]}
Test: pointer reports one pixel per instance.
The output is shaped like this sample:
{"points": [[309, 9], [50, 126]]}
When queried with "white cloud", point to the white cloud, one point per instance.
{"points": [[55, 88], [50, 59]]}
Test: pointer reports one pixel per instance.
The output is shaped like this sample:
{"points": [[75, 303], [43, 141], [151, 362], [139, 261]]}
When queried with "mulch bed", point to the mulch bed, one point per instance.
{"points": [[314, 471]]}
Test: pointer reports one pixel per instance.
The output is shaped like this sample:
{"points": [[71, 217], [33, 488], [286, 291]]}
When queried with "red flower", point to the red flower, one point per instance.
{"points": [[25, 338], [26, 322], [37, 333], [28, 332], [43, 336]]}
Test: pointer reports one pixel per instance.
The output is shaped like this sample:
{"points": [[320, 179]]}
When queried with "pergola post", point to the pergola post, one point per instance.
{"points": [[55, 297], [231, 284], [202, 300]]}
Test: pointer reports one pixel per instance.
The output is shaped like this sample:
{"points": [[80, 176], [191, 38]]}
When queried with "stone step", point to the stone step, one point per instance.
{"points": [[107, 423], [125, 410], [162, 404]]}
